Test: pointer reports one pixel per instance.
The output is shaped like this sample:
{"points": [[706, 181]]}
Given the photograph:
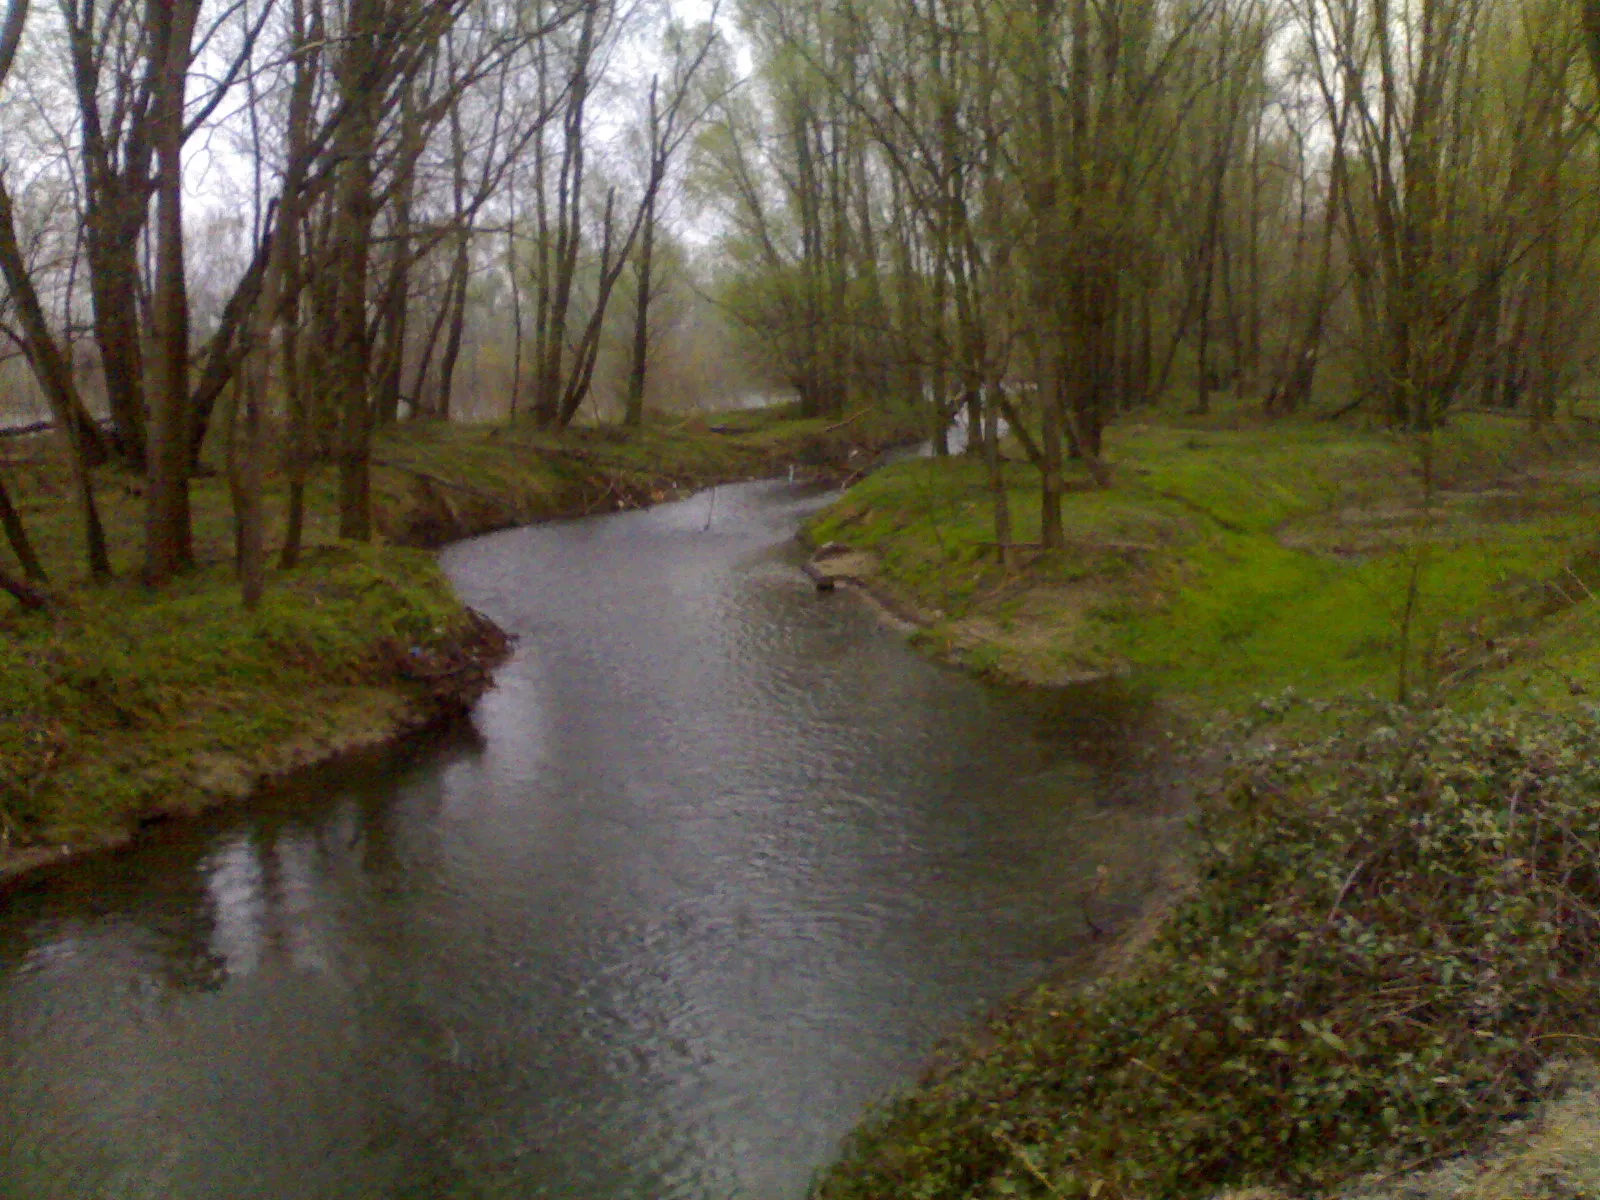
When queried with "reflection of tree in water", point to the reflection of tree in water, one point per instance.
{"points": [[198, 902], [1101, 723], [151, 906]]}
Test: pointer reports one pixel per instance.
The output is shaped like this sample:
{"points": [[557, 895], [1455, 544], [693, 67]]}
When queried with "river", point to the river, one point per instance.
{"points": [[717, 862]]}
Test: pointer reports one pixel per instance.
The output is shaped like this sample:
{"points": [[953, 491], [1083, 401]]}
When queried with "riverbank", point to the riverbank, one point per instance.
{"points": [[1218, 550], [126, 707], [1337, 992]]}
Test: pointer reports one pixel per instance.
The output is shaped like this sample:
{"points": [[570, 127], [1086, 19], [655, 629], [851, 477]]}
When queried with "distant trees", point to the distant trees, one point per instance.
{"points": [[1247, 194]]}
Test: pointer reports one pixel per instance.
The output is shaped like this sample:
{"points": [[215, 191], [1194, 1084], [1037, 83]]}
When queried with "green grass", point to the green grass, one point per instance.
{"points": [[1227, 562], [1231, 561], [120, 704], [1388, 939]]}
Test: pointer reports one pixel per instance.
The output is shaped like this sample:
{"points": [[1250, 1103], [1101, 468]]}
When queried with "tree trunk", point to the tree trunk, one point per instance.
{"points": [[395, 302], [297, 434], [17, 537], [351, 238], [168, 541], [633, 412], [516, 303], [459, 267]]}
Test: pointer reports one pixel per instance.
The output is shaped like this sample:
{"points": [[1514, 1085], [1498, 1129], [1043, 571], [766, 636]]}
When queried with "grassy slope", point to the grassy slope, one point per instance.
{"points": [[1226, 563], [125, 706], [121, 705], [1229, 562]]}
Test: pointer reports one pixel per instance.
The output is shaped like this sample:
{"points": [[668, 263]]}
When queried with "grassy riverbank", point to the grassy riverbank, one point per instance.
{"points": [[122, 706], [1391, 931], [1226, 563]]}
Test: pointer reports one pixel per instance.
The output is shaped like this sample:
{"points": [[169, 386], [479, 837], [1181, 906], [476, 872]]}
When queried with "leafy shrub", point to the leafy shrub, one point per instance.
{"points": [[1391, 930]]}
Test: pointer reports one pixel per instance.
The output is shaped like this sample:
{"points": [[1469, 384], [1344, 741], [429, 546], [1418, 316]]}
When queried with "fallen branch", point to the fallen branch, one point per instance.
{"points": [[852, 477], [850, 419], [437, 481], [1348, 408]]}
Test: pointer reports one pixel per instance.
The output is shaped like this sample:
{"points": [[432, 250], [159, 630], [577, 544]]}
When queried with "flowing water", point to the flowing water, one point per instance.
{"points": [[718, 862]]}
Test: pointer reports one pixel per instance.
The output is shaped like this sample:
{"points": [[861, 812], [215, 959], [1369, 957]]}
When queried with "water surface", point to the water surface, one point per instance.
{"points": [[718, 862]]}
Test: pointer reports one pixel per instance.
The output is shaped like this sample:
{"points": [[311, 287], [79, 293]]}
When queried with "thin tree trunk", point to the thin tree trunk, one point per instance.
{"points": [[633, 408], [459, 267], [633, 413], [17, 537], [297, 449], [516, 303]]}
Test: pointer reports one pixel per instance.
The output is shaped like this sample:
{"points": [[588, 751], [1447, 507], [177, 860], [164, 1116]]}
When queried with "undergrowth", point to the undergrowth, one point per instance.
{"points": [[1393, 927], [108, 700]]}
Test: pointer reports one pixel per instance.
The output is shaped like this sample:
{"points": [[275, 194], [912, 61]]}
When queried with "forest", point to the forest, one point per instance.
{"points": [[1252, 345], [278, 227]]}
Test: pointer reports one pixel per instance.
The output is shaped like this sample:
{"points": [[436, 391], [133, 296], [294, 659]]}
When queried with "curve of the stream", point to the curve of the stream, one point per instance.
{"points": [[718, 862]]}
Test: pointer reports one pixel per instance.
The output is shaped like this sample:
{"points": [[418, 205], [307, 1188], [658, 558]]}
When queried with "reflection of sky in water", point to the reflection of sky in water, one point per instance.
{"points": [[235, 884], [266, 899], [722, 863]]}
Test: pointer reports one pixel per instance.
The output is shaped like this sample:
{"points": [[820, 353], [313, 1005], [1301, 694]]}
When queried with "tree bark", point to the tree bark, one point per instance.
{"points": [[168, 540], [633, 409], [17, 537], [351, 238]]}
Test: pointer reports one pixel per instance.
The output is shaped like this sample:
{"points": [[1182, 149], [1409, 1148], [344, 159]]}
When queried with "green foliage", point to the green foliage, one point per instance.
{"points": [[113, 701], [1391, 928]]}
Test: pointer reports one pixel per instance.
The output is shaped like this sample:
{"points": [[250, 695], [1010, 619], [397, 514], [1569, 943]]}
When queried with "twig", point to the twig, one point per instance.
{"points": [[848, 420], [1033, 1167], [1348, 408], [1167, 1079], [1343, 891]]}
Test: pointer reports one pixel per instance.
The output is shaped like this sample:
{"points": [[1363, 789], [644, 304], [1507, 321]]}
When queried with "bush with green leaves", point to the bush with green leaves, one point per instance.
{"points": [[1392, 929]]}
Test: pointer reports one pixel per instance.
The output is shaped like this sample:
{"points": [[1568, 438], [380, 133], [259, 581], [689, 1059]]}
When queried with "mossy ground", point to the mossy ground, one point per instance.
{"points": [[121, 704]]}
